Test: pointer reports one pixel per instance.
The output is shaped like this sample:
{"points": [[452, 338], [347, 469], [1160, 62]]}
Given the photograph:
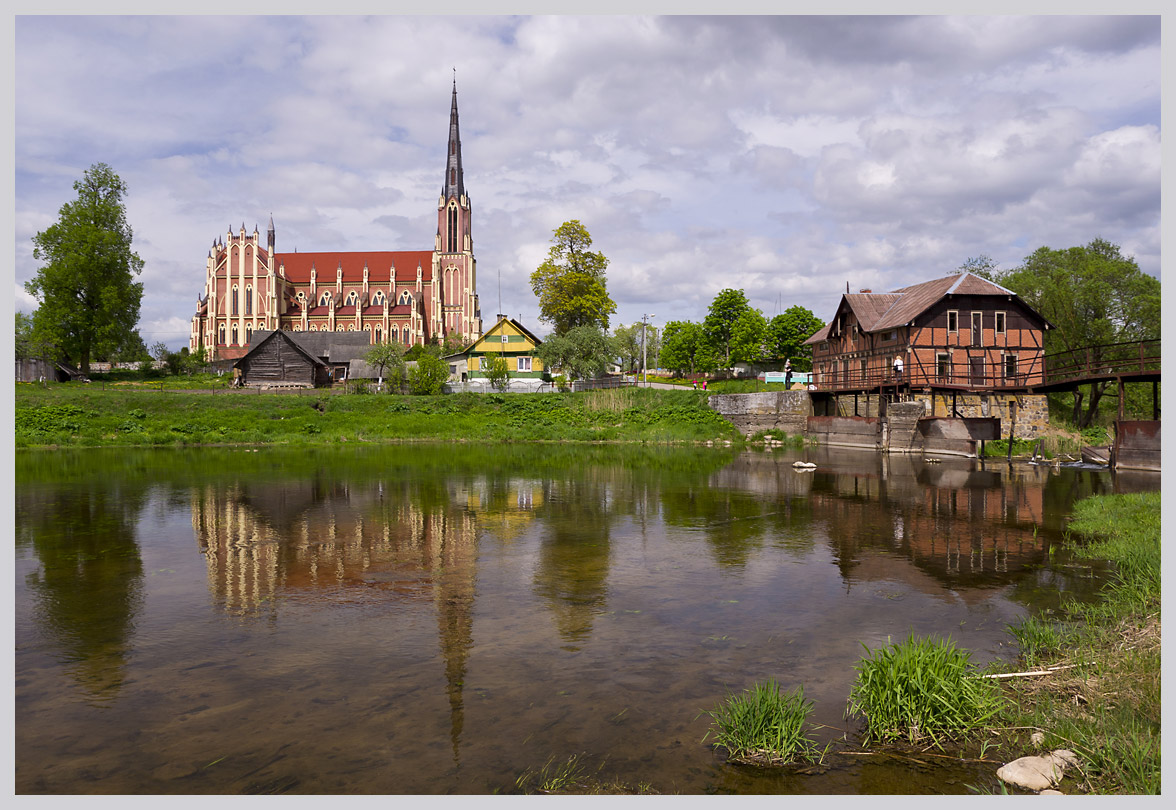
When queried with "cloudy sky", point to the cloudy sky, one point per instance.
{"points": [[786, 156]]}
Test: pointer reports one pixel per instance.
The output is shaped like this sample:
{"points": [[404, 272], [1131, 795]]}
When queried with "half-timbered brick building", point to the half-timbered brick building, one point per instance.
{"points": [[961, 331]]}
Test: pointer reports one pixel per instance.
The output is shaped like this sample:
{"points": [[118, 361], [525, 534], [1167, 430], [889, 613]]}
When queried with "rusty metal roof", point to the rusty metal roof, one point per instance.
{"points": [[878, 311]]}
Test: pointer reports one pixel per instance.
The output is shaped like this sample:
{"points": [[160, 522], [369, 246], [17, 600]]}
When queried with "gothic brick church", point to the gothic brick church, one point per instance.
{"points": [[411, 296]]}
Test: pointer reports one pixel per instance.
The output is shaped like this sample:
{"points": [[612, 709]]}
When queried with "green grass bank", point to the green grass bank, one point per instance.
{"points": [[92, 415], [1102, 698]]}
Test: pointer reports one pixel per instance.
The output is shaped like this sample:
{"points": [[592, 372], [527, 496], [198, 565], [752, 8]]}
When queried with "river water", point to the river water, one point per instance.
{"points": [[437, 619]]}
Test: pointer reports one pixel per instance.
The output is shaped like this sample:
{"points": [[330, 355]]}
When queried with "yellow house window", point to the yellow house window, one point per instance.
{"points": [[524, 364]]}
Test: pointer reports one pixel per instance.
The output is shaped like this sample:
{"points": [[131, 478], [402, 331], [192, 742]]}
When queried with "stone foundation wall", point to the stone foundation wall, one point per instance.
{"points": [[1032, 410], [902, 427], [847, 431], [787, 411], [905, 427]]}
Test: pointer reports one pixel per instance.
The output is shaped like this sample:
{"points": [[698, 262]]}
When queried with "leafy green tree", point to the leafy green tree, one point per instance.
{"points": [[628, 342], [498, 372], [570, 284], [1094, 297], [581, 353], [982, 265], [748, 334], [388, 361], [787, 333], [429, 375], [88, 298], [30, 342], [720, 321], [685, 349]]}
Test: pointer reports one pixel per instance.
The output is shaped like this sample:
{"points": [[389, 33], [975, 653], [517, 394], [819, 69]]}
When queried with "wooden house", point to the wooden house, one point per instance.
{"points": [[961, 332], [301, 359], [507, 338]]}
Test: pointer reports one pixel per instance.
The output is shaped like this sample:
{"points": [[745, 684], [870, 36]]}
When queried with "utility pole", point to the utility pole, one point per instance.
{"points": [[644, 369]]}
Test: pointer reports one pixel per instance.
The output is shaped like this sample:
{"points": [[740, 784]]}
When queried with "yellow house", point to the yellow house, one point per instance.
{"points": [[509, 339]]}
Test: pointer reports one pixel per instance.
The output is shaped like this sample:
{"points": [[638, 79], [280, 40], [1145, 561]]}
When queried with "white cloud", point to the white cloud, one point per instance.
{"points": [[784, 154]]}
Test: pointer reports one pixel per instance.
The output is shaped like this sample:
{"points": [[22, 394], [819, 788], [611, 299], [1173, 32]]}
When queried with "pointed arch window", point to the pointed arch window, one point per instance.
{"points": [[325, 299], [378, 298], [220, 335], [235, 335], [339, 328], [453, 247], [406, 337], [248, 333], [405, 298], [352, 299], [377, 335], [234, 301], [249, 299]]}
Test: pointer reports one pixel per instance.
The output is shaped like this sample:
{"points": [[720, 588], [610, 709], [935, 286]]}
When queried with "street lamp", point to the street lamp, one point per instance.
{"points": [[644, 370]]}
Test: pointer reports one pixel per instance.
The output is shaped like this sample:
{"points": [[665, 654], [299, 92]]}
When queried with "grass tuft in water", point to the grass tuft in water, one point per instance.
{"points": [[764, 726], [921, 688]]}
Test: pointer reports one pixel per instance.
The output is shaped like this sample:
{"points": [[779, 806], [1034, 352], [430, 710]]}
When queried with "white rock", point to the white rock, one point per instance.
{"points": [[1037, 738], [1064, 758], [1032, 773], [1051, 792]]}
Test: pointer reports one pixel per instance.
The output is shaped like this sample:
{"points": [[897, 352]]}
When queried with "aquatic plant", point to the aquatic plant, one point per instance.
{"points": [[764, 725], [921, 688]]}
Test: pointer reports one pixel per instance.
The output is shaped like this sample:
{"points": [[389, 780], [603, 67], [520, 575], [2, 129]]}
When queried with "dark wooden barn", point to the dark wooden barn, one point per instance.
{"points": [[277, 359]]}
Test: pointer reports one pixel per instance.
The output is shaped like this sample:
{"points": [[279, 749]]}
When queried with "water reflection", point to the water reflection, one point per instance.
{"points": [[422, 613], [88, 587]]}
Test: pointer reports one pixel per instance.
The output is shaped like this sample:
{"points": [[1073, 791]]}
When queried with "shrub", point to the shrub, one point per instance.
{"points": [[764, 725], [921, 688]]}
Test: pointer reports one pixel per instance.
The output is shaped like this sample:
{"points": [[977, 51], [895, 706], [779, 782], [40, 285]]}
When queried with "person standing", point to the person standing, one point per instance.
{"points": [[898, 369], [787, 374]]}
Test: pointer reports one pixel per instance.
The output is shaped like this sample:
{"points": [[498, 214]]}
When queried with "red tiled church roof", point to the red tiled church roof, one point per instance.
{"points": [[379, 264]]}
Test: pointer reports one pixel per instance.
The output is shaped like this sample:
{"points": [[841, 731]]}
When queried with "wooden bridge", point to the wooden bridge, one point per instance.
{"points": [[1136, 361]]}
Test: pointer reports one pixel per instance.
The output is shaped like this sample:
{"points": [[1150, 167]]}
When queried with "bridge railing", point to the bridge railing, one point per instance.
{"points": [[1107, 360]]}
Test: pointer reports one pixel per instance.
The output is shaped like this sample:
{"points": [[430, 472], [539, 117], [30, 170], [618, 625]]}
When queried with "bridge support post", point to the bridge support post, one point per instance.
{"points": [[1121, 392], [1012, 426]]}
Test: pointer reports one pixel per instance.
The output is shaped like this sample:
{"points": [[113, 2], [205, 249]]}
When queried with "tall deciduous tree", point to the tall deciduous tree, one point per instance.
{"points": [[89, 300], [748, 334], [1094, 297], [720, 320], [570, 284], [787, 333], [683, 348], [580, 353]]}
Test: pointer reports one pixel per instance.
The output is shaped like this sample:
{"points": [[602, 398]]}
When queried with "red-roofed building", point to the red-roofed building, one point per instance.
{"points": [[410, 296], [957, 332]]}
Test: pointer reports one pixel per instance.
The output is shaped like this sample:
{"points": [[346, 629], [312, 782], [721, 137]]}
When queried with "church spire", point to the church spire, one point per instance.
{"points": [[454, 185]]}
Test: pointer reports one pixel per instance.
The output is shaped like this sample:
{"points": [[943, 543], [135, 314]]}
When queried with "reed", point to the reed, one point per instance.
{"points": [[921, 689], [764, 726]]}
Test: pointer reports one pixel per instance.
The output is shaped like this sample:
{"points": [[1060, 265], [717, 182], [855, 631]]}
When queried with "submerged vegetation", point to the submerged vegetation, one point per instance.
{"points": [[921, 689], [765, 726]]}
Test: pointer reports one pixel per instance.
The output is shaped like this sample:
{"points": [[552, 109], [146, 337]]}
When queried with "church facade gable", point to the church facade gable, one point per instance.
{"points": [[411, 297]]}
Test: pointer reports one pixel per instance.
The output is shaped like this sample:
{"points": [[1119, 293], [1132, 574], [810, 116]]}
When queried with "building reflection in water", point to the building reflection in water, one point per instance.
{"points": [[270, 541], [885, 519]]}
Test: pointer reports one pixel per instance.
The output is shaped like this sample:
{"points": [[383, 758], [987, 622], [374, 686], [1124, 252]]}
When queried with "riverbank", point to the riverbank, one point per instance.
{"points": [[76, 415], [1103, 698]]}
